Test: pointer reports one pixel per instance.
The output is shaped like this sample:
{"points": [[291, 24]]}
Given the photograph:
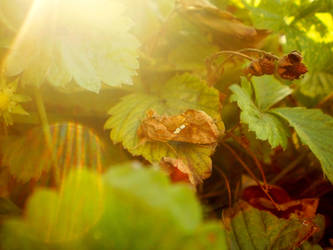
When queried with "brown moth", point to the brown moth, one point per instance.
{"points": [[192, 126]]}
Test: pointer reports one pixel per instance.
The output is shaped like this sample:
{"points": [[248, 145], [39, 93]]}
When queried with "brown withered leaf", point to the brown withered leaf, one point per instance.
{"points": [[290, 67], [192, 126], [264, 65], [227, 31], [179, 171]]}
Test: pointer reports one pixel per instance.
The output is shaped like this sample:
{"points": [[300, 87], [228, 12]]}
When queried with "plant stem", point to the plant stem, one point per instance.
{"points": [[233, 53], [42, 116], [46, 131], [227, 185], [259, 52], [253, 156], [264, 189]]}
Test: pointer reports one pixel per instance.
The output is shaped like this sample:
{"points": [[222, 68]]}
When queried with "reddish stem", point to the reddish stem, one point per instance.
{"points": [[233, 152]]}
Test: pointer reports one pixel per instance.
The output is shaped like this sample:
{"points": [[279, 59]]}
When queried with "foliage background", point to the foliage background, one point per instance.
{"points": [[76, 85]]}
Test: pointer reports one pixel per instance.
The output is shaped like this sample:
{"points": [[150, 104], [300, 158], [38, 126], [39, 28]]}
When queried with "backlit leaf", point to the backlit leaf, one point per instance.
{"points": [[93, 45]]}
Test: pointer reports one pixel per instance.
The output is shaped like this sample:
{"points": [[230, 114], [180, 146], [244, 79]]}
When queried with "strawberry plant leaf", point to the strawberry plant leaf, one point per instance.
{"points": [[66, 215], [250, 228], [269, 14], [298, 22], [174, 97], [317, 84], [83, 47], [266, 125], [268, 91], [315, 130], [318, 81], [286, 16], [118, 211]]}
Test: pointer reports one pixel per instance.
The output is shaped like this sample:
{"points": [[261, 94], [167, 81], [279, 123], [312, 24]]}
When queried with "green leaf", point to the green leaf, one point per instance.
{"points": [[269, 14], [269, 91], [174, 97], [287, 15], [250, 228], [317, 84], [177, 212], [91, 49], [267, 126], [305, 31], [52, 217], [318, 81], [72, 145], [315, 130], [131, 208]]}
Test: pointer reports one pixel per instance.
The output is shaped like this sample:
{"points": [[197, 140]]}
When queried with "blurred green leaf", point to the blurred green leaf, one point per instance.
{"points": [[184, 47], [130, 208], [270, 14], [315, 130], [317, 56], [52, 217]]}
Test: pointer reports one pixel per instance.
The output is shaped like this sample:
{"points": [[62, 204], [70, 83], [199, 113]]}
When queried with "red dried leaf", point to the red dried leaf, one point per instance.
{"points": [[179, 171], [303, 209]]}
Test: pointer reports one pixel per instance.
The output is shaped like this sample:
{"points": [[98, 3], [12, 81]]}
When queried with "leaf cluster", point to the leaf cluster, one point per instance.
{"points": [[204, 92]]}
